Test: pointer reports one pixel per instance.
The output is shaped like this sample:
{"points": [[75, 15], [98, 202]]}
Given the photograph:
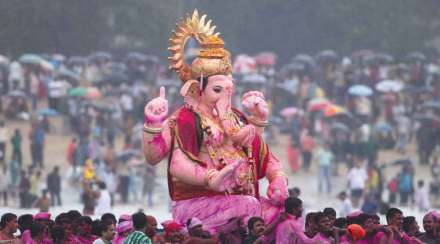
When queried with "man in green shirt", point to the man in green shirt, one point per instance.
{"points": [[324, 157], [16, 146], [138, 236]]}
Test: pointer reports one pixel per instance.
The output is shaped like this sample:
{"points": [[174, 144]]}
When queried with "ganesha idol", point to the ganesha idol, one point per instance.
{"points": [[216, 154]]}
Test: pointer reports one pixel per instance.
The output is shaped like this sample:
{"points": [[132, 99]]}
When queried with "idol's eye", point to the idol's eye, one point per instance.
{"points": [[217, 89]]}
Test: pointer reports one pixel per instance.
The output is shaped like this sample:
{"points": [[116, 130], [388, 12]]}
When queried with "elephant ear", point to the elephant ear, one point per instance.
{"points": [[190, 92]]}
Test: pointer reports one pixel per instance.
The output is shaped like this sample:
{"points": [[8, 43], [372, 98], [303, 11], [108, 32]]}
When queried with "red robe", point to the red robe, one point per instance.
{"points": [[188, 133]]}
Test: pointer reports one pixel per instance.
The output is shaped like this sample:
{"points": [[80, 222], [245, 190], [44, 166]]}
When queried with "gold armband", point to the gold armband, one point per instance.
{"points": [[152, 130], [257, 122]]}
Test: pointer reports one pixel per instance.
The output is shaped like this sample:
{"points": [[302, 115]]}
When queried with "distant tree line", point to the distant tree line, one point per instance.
{"points": [[286, 27]]}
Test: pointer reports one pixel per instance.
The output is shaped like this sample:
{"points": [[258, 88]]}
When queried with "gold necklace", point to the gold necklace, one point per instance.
{"points": [[208, 121]]}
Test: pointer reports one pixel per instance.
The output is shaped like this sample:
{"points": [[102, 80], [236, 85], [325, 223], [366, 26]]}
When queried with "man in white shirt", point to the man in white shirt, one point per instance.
{"points": [[126, 102], [346, 206], [103, 201], [357, 177]]}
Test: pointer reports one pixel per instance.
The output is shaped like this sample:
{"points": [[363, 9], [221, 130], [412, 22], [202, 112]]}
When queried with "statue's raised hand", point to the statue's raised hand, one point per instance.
{"points": [[156, 110], [256, 104]]}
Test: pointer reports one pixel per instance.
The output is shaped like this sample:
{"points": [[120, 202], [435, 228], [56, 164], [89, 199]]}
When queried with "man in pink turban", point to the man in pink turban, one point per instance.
{"points": [[122, 231]]}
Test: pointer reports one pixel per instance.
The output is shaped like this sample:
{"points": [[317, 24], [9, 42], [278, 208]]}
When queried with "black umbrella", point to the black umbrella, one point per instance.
{"points": [[431, 105], [327, 55], [136, 56], [401, 161], [418, 89], [100, 56], [340, 127], [127, 155], [426, 118], [69, 75], [152, 59], [416, 56], [293, 68], [118, 67], [362, 53], [103, 107], [17, 93], [402, 67], [116, 78], [384, 57], [76, 60], [305, 59]]}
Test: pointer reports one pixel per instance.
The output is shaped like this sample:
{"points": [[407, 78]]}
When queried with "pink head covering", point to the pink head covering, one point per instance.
{"points": [[42, 216], [125, 217], [194, 222], [124, 226], [173, 226], [354, 214], [436, 215], [166, 222]]}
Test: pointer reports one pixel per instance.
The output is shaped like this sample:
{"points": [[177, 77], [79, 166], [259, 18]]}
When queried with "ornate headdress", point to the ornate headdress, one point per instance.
{"points": [[212, 58]]}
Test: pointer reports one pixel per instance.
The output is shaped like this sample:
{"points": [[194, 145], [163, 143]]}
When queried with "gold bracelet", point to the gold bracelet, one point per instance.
{"points": [[152, 130], [258, 123], [278, 174], [209, 175], [229, 116]]}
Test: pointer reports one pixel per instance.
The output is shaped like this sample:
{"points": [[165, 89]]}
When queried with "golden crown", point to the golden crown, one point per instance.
{"points": [[212, 58]]}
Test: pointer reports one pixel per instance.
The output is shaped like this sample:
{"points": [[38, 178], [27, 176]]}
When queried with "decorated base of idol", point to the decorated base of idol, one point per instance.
{"points": [[216, 153]]}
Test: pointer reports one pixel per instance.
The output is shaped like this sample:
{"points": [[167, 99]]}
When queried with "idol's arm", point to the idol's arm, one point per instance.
{"points": [[156, 145], [256, 104], [277, 190], [156, 136]]}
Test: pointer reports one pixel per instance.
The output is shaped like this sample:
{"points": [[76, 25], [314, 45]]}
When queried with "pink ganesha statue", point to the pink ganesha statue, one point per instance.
{"points": [[216, 154]]}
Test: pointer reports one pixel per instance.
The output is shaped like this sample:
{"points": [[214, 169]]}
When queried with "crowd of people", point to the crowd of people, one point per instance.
{"points": [[98, 102], [291, 226], [337, 112], [346, 111]]}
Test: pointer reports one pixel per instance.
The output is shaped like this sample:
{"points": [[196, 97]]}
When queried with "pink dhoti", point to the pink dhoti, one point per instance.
{"points": [[215, 211]]}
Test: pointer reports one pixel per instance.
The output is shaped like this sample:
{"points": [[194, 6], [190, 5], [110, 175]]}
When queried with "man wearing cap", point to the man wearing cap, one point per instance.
{"points": [[124, 217], [123, 230], [43, 218], [356, 232], [173, 233], [367, 223]]}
